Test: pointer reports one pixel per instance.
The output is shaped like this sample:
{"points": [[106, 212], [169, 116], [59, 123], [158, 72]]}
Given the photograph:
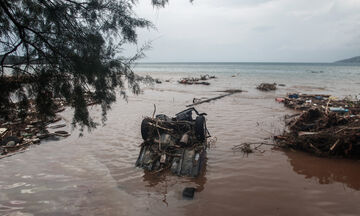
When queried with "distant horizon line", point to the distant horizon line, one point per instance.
{"points": [[227, 62]]}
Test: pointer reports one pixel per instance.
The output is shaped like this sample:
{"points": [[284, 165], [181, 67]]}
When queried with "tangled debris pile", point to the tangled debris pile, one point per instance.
{"points": [[18, 133], [196, 81], [22, 126], [267, 87], [326, 126], [178, 143]]}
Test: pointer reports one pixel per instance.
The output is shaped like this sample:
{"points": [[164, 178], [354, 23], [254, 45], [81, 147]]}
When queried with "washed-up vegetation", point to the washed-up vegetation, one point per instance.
{"points": [[325, 126]]}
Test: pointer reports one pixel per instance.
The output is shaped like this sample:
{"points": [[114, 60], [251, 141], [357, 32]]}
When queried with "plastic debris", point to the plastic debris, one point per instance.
{"points": [[188, 193], [338, 109], [280, 100]]}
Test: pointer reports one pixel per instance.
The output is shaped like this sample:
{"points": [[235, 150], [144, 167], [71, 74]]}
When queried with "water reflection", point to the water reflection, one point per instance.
{"points": [[162, 182], [325, 170]]}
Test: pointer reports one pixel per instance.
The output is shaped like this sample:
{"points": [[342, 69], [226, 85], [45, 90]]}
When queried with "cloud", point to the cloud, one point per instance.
{"points": [[256, 30]]}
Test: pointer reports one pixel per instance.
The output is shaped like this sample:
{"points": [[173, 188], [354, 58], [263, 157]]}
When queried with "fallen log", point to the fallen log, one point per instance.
{"points": [[210, 99], [231, 91]]}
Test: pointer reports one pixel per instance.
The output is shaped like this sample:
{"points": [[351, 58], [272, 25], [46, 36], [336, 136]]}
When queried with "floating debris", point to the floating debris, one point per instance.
{"points": [[233, 91], [267, 87], [244, 147], [188, 193], [196, 81], [62, 133]]}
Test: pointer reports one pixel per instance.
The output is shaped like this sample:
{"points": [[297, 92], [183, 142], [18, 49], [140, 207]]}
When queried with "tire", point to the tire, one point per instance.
{"points": [[145, 129], [10, 138], [200, 128]]}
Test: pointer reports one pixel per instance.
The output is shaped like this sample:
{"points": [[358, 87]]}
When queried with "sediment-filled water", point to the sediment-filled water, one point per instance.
{"points": [[95, 174]]}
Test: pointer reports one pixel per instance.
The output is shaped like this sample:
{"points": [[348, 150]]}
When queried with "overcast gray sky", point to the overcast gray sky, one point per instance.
{"points": [[252, 30]]}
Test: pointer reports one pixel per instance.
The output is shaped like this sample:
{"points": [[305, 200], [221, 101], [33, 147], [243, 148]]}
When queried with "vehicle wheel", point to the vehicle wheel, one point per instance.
{"points": [[145, 129], [200, 128], [9, 139]]}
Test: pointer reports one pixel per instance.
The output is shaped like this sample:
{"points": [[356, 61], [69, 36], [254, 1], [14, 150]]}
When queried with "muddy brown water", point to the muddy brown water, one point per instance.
{"points": [[95, 174]]}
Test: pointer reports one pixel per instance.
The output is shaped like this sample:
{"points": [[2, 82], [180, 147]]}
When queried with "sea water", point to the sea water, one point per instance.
{"points": [[96, 174]]}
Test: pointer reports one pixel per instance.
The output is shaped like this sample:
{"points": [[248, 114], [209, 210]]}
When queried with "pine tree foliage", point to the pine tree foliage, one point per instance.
{"points": [[69, 49]]}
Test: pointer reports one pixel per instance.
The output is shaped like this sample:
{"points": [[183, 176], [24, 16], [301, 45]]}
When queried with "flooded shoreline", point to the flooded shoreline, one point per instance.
{"points": [[96, 174]]}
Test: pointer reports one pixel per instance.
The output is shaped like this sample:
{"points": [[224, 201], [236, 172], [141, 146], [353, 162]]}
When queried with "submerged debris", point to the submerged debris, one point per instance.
{"points": [[247, 149], [191, 81], [178, 143], [326, 126], [207, 77], [267, 87], [312, 71], [188, 193], [244, 147]]}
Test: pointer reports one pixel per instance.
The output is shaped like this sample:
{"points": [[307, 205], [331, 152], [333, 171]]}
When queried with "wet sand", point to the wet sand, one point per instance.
{"points": [[95, 174]]}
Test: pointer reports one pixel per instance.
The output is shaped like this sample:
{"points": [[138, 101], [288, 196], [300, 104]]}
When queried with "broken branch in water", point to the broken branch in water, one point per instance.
{"points": [[246, 147]]}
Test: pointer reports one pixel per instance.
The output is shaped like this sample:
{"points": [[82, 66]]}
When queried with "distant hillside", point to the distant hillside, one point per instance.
{"points": [[355, 59]]}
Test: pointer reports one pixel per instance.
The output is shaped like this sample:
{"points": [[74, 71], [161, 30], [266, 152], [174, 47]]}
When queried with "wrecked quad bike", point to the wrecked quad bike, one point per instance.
{"points": [[178, 143]]}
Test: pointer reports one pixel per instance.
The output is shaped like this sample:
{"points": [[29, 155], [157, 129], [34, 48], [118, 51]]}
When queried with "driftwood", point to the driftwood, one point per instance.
{"points": [[320, 130], [208, 100], [231, 92], [335, 144]]}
